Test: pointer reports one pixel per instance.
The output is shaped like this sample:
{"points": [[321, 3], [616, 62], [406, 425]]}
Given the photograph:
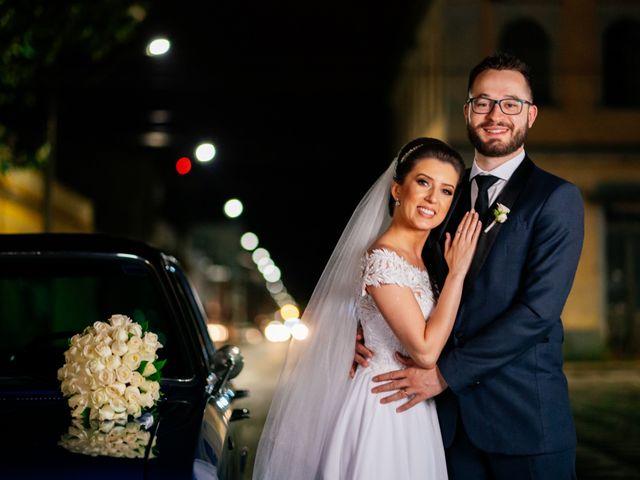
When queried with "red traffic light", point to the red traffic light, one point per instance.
{"points": [[183, 166]]}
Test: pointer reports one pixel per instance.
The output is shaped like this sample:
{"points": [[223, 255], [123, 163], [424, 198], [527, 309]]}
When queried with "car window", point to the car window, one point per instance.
{"points": [[44, 301], [195, 307]]}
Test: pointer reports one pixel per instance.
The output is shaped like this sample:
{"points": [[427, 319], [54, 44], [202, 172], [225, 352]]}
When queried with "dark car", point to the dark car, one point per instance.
{"points": [[52, 286]]}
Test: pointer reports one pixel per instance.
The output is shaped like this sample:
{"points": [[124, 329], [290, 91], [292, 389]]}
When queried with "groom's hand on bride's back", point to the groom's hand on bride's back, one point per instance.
{"points": [[414, 383], [362, 353]]}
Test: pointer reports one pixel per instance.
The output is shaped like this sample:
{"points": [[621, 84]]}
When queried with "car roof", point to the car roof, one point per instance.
{"points": [[78, 243]]}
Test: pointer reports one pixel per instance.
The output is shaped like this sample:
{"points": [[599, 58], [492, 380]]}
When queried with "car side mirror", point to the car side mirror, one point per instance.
{"points": [[227, 362]]}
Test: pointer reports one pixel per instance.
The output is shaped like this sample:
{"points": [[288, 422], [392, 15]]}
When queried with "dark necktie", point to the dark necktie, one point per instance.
{"points": [[483, 182]]}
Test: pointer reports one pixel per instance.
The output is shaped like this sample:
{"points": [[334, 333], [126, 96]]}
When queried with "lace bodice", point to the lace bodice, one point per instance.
{"points": [[385, 267]]}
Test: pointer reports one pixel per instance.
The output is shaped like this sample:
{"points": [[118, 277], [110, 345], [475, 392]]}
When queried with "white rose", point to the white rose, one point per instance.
{"points": [[136, 379], [102, 349], [149, 369], [103, 338], [150, 340], [118, 405], [135, 329], [132, 360], [146, 400], [100, 327], [78, 401], [123, 374], [75, 340], [134, 409], [95, 365], [113, 362], [501, 218], [119, 348], [147, 354], [120, 335], [93, 383], [76, 369], [106, 377], [64, 387], [118, 321], [99, 397], [134, 344], [106, 413], [132, 394], [72, 353], [85, 340], [116, 390], [73, 385], [62, 372], [88, 352]]}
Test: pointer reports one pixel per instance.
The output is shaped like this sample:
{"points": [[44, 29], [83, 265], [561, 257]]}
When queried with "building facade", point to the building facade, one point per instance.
{"points": [[22, 205]]}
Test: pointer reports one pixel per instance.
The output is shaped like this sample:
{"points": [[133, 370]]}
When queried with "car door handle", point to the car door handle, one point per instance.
{"points": [[240, 414]]}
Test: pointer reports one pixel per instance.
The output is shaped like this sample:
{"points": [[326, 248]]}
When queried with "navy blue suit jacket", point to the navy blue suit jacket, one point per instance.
{"points": [[503, 361]]}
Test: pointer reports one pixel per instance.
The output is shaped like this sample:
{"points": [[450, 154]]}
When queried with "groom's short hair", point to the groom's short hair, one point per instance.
{"points": [[501, 61]]}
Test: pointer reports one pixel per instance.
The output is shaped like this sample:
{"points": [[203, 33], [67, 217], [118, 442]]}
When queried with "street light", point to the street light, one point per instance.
{"points": [[205, 152], [233, 208], [158, 46], [249, 241]]}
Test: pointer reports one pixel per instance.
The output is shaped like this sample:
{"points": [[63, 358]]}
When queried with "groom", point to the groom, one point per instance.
{"points": [[502, 397]]}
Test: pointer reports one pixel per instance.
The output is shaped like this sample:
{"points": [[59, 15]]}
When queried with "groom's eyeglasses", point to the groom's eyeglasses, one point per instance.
{"points": [[509, 106]]}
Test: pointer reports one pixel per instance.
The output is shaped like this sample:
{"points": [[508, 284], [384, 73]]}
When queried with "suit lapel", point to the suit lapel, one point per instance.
{"points": [[507, 197]]}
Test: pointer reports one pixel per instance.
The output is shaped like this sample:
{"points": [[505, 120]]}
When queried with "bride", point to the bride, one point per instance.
{"points": [[324, 425]]}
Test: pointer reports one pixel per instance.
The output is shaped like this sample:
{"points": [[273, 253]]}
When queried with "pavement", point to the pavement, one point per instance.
{"points": [[605, 397]]}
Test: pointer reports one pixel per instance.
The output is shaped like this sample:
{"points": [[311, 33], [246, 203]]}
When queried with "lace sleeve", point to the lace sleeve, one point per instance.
{"points": [[385, 267]]}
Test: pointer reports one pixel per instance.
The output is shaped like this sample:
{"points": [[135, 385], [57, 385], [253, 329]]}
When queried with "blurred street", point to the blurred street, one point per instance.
{"points": [[605, 399]]}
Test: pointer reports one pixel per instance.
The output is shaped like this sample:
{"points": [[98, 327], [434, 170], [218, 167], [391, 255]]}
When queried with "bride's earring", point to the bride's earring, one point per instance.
{"points": [[397, 202]]}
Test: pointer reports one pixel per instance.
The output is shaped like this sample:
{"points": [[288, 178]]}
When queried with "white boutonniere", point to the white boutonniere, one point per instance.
{"points": [[500, 215]]}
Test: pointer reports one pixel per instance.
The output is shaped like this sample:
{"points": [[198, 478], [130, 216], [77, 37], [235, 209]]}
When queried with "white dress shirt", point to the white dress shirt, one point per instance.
{"points": [[503, 172]]}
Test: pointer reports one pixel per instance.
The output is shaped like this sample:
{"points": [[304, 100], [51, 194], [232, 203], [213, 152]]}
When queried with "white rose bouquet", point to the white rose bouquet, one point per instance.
{"points": [[111, 371]]}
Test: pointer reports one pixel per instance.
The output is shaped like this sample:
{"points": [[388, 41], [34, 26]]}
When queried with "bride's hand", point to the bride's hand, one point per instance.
{"points": [[459, 250], [362, 354], [412, 383]]}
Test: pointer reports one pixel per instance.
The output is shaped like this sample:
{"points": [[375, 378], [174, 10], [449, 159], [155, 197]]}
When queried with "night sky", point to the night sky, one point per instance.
{"points": [[295, 96]]}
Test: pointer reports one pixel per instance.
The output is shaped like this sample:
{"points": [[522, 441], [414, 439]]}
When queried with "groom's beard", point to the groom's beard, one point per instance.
{"points": [[493, 148]]}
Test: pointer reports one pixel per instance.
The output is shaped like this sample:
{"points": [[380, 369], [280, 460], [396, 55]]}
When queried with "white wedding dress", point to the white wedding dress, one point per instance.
{"points": [[371, 440]]}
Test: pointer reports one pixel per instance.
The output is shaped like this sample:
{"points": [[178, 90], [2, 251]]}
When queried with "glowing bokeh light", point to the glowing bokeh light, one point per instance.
{"points": [[218, 332], [275, 287], [289, 311], [205, 152], [258, 254], [273, 276], [183, 166], [158, 46], [249, 241], [253, 336], [277, 332], [233, 208], [264, 263], [268, 269], [300, 331]]}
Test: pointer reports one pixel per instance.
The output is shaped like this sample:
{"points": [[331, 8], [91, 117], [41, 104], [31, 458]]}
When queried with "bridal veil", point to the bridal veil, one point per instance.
{"points": [[315, 377]]}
